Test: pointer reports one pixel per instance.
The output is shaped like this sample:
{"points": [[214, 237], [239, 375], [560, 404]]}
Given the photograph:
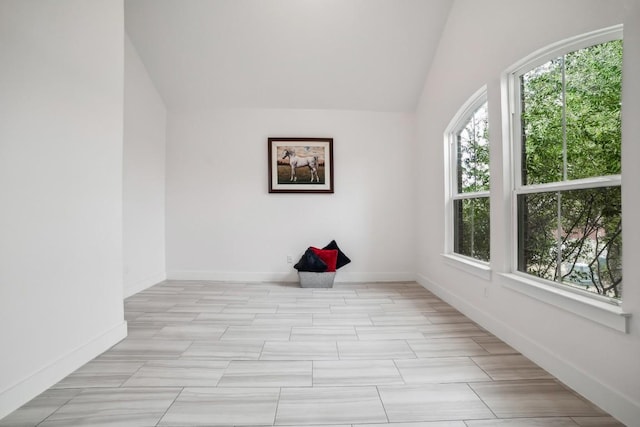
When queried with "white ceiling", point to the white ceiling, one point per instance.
{"points": [[315, 54]]}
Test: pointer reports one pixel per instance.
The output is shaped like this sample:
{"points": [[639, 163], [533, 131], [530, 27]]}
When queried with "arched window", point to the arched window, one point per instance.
{"points": [[467, 139], [566, 141]]}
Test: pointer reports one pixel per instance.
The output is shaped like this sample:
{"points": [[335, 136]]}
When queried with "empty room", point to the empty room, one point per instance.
{"points": [[319, 213]]}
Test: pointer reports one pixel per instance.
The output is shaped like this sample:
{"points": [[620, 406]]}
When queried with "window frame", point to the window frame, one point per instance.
{"points": [[599, 308], [466, 263]]}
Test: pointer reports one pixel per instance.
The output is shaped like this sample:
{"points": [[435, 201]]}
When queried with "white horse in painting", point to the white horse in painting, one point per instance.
{"points": [[298, 162]]}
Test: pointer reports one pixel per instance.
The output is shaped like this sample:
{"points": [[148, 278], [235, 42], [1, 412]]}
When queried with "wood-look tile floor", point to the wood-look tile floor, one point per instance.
{"points": [[263, 354]]}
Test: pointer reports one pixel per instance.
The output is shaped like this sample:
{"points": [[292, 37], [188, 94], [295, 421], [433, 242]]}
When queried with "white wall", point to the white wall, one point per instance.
{"points": [[145, 120], [61, 81], [480, 41], [223, 224]]}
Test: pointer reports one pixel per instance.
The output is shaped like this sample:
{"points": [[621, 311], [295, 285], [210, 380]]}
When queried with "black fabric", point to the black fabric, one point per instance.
{"points": [[311, 262], [342, 258]]}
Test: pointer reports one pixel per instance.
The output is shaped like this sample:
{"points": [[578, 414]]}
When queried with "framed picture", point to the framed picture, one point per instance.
{"points": [[300, 165]]}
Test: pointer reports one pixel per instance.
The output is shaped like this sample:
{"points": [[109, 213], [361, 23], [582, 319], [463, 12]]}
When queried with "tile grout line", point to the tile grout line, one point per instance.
{"points": [[399, 371], [170, 405], [480, 367], [482, 400], [59, 407], [382, 404], [275, 414]]}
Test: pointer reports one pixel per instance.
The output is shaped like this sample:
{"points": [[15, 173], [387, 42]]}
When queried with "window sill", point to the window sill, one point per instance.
{"points": [[468, 265], [609, 315]]}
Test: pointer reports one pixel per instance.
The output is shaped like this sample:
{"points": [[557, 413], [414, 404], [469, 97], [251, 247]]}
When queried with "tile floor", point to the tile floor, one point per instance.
{"points": [[263, 354]]}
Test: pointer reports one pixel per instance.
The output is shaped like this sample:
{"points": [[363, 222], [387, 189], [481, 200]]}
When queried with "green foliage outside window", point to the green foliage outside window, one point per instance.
{"points": [[472, 228], [571, 129], [473, 153], [471, 214]]}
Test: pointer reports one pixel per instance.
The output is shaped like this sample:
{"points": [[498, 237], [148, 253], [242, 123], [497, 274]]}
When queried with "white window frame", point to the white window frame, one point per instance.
{"points": [[471, 265], [600, 309]]}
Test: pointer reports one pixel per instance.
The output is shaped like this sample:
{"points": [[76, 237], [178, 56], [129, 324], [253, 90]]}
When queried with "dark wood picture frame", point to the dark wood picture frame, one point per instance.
{"points": [[301, 165]]}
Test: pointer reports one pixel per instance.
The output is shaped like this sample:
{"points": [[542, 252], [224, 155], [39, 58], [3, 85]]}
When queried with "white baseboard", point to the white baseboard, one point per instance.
{"points": [[610, 400], [142, 284], [348, 277], [341, 276], [20, 393], [230, 276]]}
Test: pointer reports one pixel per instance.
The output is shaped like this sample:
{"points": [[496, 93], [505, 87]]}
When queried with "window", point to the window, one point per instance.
{"points": [[567, 174], [468, 207]]}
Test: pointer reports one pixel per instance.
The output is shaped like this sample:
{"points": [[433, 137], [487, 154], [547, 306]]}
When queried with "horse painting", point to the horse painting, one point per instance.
{"points": [[299, 162]]}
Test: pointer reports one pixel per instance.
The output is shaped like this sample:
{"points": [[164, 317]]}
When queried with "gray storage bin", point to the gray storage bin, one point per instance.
{"points": [[309, 279]]}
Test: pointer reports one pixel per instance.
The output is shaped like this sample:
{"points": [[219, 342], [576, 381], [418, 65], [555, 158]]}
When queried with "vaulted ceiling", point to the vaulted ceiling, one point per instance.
{"points": [[310, 54]]}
